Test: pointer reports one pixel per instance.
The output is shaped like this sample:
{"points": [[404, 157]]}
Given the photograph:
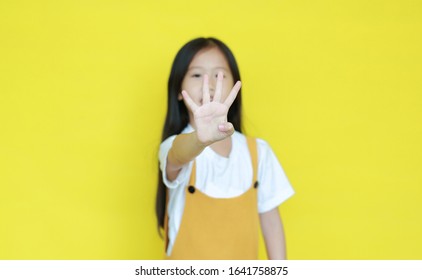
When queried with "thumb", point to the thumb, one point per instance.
{"points": [[226, 128]]}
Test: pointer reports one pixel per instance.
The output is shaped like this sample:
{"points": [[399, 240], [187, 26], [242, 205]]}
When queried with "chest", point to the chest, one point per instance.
{"points": [[224, 177]]}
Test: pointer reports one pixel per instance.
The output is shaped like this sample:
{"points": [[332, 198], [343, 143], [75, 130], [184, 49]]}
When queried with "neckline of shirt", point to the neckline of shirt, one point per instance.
{"points": [[210, 151]]}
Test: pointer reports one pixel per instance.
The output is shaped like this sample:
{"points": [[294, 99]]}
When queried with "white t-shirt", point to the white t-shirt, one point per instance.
{"points": [[225, 177]]}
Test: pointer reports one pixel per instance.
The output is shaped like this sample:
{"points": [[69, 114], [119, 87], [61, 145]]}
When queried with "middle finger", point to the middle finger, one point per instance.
{"points": [[218, 87], [205, 90]]}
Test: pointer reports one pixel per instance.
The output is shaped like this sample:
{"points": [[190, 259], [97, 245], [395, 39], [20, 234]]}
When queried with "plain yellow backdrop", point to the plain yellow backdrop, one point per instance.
{"points": [[333, 86]]}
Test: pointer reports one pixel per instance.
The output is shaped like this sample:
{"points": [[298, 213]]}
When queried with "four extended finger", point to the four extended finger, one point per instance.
{"points": [[191, 104], [205, 90], [233, 93]]}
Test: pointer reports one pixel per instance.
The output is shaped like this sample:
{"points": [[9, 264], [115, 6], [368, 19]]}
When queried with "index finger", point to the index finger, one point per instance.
{"points": [[233, 93]]}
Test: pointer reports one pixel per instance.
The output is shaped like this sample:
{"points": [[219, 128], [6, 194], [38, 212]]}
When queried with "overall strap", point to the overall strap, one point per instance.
{"points": [[253, 151], [192, 179]]}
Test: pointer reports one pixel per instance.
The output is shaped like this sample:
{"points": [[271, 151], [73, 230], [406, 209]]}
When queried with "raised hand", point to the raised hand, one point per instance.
{"points": [[210, 117]]}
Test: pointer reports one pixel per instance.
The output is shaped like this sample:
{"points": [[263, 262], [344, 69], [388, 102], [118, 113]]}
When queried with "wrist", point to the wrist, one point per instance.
{"points": [[200, 143]]}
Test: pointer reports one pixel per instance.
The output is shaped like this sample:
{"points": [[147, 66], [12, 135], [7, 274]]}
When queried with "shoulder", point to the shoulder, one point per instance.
{"points": [[262, 145], [164, 149], [265, 152], [239, 138], [168, 142]]}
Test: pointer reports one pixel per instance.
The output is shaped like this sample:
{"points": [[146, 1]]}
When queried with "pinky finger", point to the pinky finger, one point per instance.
{"points": [[189, 101]]}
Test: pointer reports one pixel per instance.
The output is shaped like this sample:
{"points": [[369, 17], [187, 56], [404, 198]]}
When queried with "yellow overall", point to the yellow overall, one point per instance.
{"points": [[219, 228]]}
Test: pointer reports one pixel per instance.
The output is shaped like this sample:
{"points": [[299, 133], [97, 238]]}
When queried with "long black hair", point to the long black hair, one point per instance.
{"points": [[177, 117]]}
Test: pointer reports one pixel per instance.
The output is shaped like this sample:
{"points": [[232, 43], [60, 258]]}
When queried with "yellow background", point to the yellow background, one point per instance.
{"points": [[334, 87]]}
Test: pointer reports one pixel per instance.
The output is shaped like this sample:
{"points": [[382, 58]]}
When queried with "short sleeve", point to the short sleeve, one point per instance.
{"points": [[274, 186], [183, 177]]}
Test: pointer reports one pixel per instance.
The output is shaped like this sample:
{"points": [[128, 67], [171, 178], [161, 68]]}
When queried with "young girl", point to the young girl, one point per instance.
{"points": [[215, 184]]}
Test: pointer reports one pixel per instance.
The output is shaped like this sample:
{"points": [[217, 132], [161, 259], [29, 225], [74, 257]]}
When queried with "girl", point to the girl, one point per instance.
{"points": [[215, 184]]}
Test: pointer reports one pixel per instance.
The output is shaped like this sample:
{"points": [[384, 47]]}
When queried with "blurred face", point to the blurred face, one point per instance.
{"points": [[208, 61]]}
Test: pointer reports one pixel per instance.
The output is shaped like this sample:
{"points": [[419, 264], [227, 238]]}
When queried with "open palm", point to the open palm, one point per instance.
{"points": [[210, 117]]}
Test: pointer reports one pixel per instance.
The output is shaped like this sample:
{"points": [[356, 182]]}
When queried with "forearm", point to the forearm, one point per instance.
{"points": [[273, 232], [184, 149]]}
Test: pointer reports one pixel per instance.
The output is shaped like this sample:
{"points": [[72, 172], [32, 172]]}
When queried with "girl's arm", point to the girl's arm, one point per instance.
{"points": [[185, 148], [273, 232], [210, 123]]}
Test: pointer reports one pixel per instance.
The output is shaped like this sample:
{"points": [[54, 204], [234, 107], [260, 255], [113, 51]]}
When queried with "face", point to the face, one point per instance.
{"points": [[209, 62]]}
